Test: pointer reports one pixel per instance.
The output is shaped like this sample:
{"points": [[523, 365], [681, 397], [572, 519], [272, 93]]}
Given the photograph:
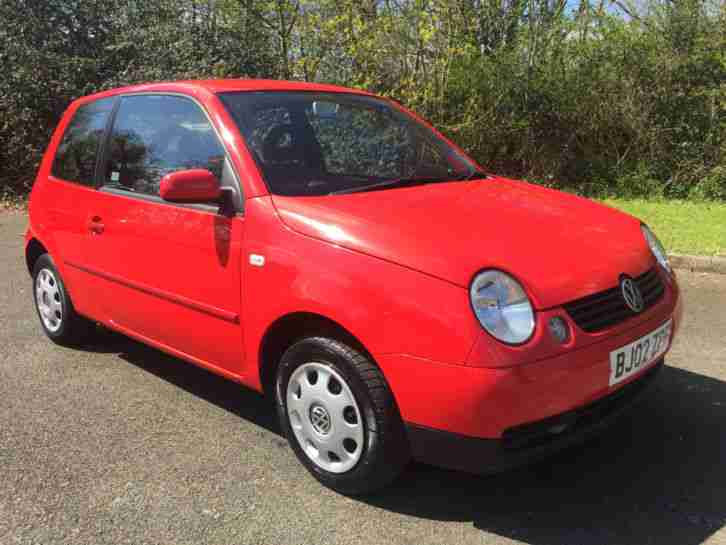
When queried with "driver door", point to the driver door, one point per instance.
{"points": [[170, 272]]}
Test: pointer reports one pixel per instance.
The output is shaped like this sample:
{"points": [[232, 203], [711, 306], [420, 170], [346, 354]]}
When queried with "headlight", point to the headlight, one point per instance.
{"points": [[656, 247], [502, 306]]}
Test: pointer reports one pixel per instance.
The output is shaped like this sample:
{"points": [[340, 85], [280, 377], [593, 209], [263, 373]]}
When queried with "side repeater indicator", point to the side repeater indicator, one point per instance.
{"points": [[257, 260]]}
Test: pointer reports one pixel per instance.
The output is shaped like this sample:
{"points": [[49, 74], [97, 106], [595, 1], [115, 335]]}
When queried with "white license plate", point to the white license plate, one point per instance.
{"points": [[631, 358]]}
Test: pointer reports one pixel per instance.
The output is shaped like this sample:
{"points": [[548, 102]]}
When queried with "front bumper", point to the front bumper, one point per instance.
{"points": [[528, 442], [483, 403], [458, 414]]}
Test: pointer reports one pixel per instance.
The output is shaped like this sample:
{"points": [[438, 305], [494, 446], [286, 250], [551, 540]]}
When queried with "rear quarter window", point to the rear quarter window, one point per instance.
{"points": [[75, 159]]}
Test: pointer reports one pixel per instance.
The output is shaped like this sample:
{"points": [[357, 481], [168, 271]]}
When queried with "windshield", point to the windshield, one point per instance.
{"points": [[323, 143]]}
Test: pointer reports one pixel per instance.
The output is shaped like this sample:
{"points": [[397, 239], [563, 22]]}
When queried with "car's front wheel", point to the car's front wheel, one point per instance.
{"points": [[61, 323], [339, 416]]}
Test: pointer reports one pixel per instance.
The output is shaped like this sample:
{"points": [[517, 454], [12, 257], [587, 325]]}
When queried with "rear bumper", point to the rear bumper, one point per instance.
{"points": [[527, 442]]}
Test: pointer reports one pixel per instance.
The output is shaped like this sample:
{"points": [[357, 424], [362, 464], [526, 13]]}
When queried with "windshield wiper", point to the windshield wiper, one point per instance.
{"points": [[395, 182], [411, 181]]}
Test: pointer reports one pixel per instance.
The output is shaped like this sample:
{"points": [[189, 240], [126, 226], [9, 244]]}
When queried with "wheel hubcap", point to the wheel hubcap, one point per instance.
{"points": [[320, 419], [48, 300], [324, 417]]}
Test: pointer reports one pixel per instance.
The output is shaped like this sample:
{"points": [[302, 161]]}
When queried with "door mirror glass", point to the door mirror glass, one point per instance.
{"points": [[190, 186]]}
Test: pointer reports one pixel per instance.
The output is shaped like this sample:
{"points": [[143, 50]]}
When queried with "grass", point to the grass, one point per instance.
{"points": [[684, 227]]}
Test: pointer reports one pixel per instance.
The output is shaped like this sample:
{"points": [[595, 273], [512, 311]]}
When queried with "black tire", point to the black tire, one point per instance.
{"points": [[385, 451], [72, 329]]}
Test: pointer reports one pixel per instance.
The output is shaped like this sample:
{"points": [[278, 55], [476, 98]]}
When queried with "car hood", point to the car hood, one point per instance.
{"points": [[561, 247]]}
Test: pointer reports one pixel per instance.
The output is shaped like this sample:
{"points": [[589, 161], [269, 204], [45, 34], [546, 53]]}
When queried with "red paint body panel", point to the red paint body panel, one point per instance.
{"points": [[171, 274], [547, 239], [391, 267], [373, 299]]}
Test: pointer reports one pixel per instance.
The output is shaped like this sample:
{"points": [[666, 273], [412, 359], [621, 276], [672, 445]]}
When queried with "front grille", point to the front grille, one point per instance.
{"points": [[607, 308], [533, 434]]}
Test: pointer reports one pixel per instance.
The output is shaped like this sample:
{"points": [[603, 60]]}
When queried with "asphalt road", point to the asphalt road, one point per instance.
{"points": [[119, 443]]}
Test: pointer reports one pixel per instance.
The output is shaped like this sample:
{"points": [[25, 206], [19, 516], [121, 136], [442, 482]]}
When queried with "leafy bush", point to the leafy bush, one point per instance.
{"points": [[586, 100], [53, 52], [713, 185]]}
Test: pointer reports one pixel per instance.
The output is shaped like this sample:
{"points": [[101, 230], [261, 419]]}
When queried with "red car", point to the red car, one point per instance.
{"points": [[332, 249]]}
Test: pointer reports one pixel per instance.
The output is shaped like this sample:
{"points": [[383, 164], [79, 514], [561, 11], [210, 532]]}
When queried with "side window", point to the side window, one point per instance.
{"points": [[75, 160], [154, 135]]}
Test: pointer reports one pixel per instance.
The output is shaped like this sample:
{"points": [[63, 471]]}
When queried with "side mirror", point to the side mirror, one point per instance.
{"points": [[190, 186]]}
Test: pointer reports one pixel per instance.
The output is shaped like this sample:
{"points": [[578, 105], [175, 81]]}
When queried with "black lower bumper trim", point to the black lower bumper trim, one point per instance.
{"points": [[528, 442]]}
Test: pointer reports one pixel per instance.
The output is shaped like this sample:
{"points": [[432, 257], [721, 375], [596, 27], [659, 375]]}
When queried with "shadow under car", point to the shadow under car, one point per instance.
{"points": [[658, 475]]}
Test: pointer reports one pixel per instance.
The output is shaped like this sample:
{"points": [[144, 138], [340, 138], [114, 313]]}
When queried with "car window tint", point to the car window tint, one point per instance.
{"points": [[75, 159], [154, 135]]}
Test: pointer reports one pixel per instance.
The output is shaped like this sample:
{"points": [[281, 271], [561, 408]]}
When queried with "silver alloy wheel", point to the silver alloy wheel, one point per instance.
{"points": [[48, 300], [325, 418]]}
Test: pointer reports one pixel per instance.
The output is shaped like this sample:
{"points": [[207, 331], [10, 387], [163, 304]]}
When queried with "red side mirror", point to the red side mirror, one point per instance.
{"points": [[194, 185]]}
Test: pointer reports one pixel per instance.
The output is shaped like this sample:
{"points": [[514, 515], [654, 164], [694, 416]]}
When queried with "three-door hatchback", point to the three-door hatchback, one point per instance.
{"points": [[332, 249]]}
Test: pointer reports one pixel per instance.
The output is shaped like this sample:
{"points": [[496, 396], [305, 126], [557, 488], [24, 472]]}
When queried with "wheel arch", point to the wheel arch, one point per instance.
{"points": [[288, 329], [33, 250]]}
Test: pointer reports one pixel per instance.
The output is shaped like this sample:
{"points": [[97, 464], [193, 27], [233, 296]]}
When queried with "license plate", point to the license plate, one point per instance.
{"points": [[631, 358]]}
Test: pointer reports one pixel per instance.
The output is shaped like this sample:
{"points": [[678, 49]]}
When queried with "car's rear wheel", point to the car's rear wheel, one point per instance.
{"points": [[340, 416], [61, 323]]}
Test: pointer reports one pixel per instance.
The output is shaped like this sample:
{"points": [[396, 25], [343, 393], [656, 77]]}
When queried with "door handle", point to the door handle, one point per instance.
{"points": [[95, 225]]}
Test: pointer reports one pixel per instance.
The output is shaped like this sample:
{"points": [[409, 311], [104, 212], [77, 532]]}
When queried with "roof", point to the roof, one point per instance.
{"points": [[224, 85], [227, 85]]}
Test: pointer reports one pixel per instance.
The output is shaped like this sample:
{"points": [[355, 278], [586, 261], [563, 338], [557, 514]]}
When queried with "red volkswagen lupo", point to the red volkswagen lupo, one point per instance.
{"points": [[329, 247]]}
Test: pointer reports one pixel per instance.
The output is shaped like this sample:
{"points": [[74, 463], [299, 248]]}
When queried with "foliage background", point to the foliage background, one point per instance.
{"points": [[607, 98]]}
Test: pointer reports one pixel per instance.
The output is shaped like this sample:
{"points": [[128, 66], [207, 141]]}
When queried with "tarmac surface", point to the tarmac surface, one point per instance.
{"points": [[119, 443]]}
